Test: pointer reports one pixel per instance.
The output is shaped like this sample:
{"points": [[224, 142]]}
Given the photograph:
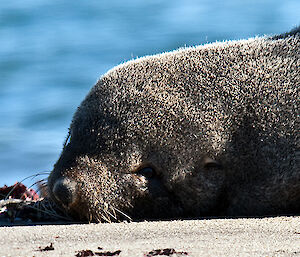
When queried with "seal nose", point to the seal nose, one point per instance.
{"points": [[64, 190]]}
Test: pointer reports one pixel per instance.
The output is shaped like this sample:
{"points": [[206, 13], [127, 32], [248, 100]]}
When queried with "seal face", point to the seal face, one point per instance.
{"points": [[207, 130]]}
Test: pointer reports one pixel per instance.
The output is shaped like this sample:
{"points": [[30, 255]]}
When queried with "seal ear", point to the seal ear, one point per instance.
{"points": [[209, 163]]}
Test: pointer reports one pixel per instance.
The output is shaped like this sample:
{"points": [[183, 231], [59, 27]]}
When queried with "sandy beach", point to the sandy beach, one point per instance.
{"points": [[279, 236]]}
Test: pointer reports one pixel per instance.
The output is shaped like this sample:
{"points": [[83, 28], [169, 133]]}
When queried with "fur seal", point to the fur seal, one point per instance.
{"points": [[205, 130]]}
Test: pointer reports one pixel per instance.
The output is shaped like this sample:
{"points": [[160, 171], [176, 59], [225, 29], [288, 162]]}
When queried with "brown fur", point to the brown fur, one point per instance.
{"points": [[218, 124]]}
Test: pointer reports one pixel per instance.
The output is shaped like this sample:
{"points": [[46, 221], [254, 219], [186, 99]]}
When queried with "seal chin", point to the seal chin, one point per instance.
{"points": [[65, 192]]}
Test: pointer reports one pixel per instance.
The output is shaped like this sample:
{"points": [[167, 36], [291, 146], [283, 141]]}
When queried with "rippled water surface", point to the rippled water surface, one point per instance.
{"points": [[52, 52]]}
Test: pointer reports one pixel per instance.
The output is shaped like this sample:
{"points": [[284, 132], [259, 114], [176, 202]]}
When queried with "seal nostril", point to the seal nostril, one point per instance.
{"points": [[64, 190]]}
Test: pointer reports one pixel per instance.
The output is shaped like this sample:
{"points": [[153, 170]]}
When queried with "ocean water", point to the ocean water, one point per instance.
{"points": [[52, 52]]}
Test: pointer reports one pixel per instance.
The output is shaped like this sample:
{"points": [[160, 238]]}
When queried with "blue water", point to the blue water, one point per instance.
{"points": [[52, 52]]}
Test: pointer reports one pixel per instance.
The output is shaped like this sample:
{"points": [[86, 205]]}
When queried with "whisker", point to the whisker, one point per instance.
{"points": [[39, 208], [124, 214], [110, 214], [50, 213], [107, 215], [41, 187], [107, 212], [90, 216], [17, 184], [114, 212], [105, 218], [36, 183], [96, 217]]}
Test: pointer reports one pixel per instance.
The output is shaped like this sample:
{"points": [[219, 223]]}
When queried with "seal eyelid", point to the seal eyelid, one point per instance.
{"points": [[147, 172], [211, 163]]}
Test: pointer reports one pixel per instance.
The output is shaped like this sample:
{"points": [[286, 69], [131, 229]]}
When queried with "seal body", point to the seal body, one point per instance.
{"points": [[206, 130]]}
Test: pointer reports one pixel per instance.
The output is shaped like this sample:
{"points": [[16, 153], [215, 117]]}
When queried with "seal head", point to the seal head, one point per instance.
{"points": [[207, 130]]}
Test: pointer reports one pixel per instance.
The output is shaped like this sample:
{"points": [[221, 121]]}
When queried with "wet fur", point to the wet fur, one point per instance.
{"points": [[234, 103]]}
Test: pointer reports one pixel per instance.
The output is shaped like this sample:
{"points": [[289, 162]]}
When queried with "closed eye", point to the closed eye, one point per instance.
{"points": [[147, 172], [211, 164]]}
